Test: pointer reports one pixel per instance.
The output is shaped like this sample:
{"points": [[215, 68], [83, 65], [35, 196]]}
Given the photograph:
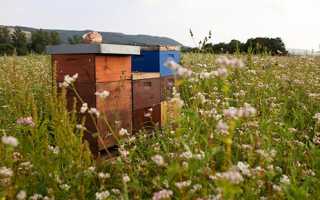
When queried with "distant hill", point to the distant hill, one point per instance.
{"points": [[108, 37]]}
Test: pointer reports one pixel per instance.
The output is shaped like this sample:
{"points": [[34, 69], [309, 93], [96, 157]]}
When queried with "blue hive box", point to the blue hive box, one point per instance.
{"points": [[152, 59]]}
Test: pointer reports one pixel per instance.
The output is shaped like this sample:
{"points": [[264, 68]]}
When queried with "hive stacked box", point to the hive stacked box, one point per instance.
{"points": [[100, 67], [153, 59], [146, 101]]}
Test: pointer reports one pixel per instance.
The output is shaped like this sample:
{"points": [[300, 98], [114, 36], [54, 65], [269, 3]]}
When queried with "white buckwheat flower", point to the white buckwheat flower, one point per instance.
{"points": [[22, 195], [244, 168], [230, 112], [125, 178], [123, 132], [65, 187], [102, 195], [68, 80], [176, 68], [317, 117], [81, 127], [162, 194], [103, 175], [285, 180], [9, 140], [6, 172], [54, 150], [104, 94], [84, 108], [233, 176], [26, 121], [183, 184], [186, 155], [36, 196], [158, 159], [222, 127], [221, 72], [248, 110], [94, 111]]}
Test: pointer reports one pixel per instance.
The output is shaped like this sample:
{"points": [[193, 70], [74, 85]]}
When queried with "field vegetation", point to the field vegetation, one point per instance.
{"points": [[248, 128]]}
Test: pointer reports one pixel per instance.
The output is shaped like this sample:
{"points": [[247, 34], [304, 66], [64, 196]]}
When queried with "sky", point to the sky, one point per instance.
{"points": [[297, 22]]}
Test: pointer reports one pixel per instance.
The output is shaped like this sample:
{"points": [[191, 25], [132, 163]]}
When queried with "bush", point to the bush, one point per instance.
{"points": [[6, 49]]}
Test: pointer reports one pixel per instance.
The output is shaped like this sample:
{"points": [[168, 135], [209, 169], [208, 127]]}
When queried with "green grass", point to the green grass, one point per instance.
{"points": [[277, 145]]}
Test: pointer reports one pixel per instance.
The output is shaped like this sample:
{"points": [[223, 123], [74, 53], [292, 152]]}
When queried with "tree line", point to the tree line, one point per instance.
{"points": [[16, 42], [273, 46]]}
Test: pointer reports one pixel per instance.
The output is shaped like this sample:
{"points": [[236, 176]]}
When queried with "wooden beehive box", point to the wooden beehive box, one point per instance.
{"points": [[147, 118], [100, 67], [146, 89]]}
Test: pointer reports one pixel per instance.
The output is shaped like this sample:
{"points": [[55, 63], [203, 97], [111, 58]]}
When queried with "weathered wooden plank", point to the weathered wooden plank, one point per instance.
{"points": [[113, 68], [116, 110], [144, 75], [146, 93], [147, 118], [83, 65]]}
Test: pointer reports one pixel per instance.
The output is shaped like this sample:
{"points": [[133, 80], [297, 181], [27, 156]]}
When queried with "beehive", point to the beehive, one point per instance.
{"points": [[152, 59], [100, 67], [167, 85], [147, 118], [146, 89]]}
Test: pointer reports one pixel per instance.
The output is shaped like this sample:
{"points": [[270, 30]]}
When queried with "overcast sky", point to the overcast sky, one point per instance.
{"points": [[297, 22]]}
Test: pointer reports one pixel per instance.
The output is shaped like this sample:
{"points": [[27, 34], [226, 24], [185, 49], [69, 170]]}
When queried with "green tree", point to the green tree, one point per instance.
{"points": [[234, 46], [19, 41], [55, 38], [274, 46], [4, 36], [6, 49], [75, 39], [39, 40]]}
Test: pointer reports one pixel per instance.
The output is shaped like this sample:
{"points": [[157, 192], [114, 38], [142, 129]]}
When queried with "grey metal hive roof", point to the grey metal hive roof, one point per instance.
{"points": [[93, 48]]}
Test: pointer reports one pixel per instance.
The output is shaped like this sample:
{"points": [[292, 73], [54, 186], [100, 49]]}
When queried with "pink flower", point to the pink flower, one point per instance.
{"points": [[162, 194], [27, 121], [222, 127]]}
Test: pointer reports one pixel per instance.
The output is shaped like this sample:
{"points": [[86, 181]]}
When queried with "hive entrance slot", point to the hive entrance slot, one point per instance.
{"points": [[147, 85]]}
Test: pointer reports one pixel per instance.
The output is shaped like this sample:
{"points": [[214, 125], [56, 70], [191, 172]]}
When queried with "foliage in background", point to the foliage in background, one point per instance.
{"points": [[76, 39], [18, 43], [259, 45], [40, 39]]}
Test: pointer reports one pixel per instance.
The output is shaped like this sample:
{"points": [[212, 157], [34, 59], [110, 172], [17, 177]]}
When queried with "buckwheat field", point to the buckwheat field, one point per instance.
{"points": [[244, 127]]}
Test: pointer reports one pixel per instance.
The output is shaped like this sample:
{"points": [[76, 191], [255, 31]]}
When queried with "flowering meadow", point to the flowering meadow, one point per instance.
{"points": [[248, 127]]}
